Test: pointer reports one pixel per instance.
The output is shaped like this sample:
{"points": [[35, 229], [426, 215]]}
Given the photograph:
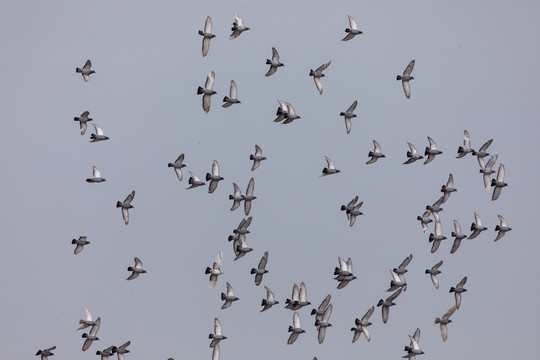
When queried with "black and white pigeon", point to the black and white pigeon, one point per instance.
{"points": [[126, 205], [352, 31], [257, 158], [448, 188], [194, 181], [296, 329], [207, 35], [317, 74], [348, 115], [362, 324], [331, 169], [457, 234], [99, 135], [178, 165], [445, 321], [96, 176], [46, 353], [231, 99], [387, 303], [433, 272], [135, 271], [83, 119], [92, 335], [215, 271], [229, 298], [406, 77], [274, 63], [85, 71], [207, 91], [261, 269], [237, 27], [466, 148], [502, 228], [376, 153], [80, 242], [431, 151], [413, 155], [217, 336], [214, 177], [498, 183], [269, 301], [476, 227], [458, 290]]}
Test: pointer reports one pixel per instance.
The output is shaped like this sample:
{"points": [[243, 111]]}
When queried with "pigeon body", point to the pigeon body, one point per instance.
{"points": [[97, 176], [362, 325], [261, 269], [317, 74], [433, 272], [135, 271], [215, 271], [237, 27], [269, 301], [214, 177], [257, 158], [344, 273], [282, 111], [352, 31], [207, 35], [231, 99], [83, 119], [92, 335], [413, 155], [348, 115], [274, 63], [99, 135], [80, 242], [207, 91], [406, 77], [376, 153], [126, 205], [502, 228], [177, 166], [85, 71]]}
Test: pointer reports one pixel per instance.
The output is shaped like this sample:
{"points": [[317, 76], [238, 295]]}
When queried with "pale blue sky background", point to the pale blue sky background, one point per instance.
{"points": [[475, 70]]}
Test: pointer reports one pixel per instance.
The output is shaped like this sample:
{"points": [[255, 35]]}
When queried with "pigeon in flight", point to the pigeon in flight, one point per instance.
{"points": [[433, 272], [97, 176], [436, 207], [321, 310], [424, 220], [269, 301], [397, 282], [344, 273], [291, 114], [229, 297], [248, 198], [231, 99], [87, 321], [413, 155], [476, 227], [387, 303], [120, 351], [498, 184], [99, 135], [405, 79], [438, 236], [458, 236], [445, 321], [282, 111], [207, 91], [214, 177], [136, 270], [458, 290], [92, 335], [448, 188], [85, 71], [400, 270], [242, 228], [487, 169], [431, 151], [354, 213], [215, 352], [83, 119], [237, 28], [299, 298], [178, 165], [207, 35], [413, 349], [274, 63], [323, 324], [80, 242], [215, 271], [348, 115], [240, 247], [261, 269], [331, 169], [217, 336], [482, 152], [45, 353], [194, 181], [237, 197], [466, 148], [349, 206], [502, 228], [376, 153], [126, 205], [353, 31], [296, 329], [105, 353], [317, 74], [362, 324], [257, 158]]}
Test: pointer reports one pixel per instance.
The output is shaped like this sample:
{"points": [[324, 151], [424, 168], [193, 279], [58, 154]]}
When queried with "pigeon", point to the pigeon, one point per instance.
{"points": [[296, 329], [105, 353], [476, 227], [231, 99], [217, 336], [438, 236], [136, 270], [458, 290], [291, 114], [87, 321], [261, 269], [397, 282], [362, 324], [413, 155], [242, 227], [448, 188], [45, 353], [344, 273], [331, 169], [458, 236], [413, 349], [323, 324], [248, 198], [257, 158], [482, 152], [237, 28], [207, 35], [431, 151], [498, 184], [237, 197], [436, 207], [92, 335], [214, 178], [376, 153], [445, 321], [299, 298], [99, 135], [434, 272], [405, 79], [80, 242], [215, 352], [83, 119], [282, 111], [240, 247], [502, 228], [120, 351], [400, 270], [387, 303], [229, 297], [194, 181], [487, 170], [317, 74], [321, 310], [178, 165], [353, 31], [126, 205], [295, 297], [466, 148], [97, 176], [207, 91], [215, 271], [85, 71], [349, 206], [269, 301], [424, 220], [354, 213], [274, 63], [348, 115]]}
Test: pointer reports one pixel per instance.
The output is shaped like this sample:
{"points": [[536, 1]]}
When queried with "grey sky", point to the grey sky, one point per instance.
{"points": [[475, 70]]}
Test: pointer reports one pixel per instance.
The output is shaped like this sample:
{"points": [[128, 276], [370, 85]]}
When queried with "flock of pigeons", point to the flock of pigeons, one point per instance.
{"points": [[344, 272]]}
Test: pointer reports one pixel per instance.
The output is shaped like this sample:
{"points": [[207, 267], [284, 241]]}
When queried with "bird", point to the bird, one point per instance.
{"points": [[413, 349], [92, 335], [405, 78], [45, 353], [438, 236], [217, 336], [241, 229], [502, 228], [177, 165], [445, 321], [207, 35], [126, 205], [434, 272], [215, 271], [413, 155], [105, 353], [448, 188], [487, 170], [291, 114], [458, 290], [87, 321], [237, 28], [296, 329], [299, 298], [231, 99], [331, 169], [269, 301], [344, 273], [80, 242], [240, 247], [348, 115], [215, 352], [376, 153], [274, 63], [99, 135], [317, 74], [354, 213], [83, 119], [362, 324], [323, 324], [353, 31], [136, 270], [400, 270], [214, 177], [85, 71], [458, 236], [261, 269], [498, 184], [237, 197], [476, 227], [248, 198], [431, 151], [120, 351], [466, 148], [482, 152], [207, 91], [436, 207], [387, 303], [257, 158], [349, 206], [282, 111], [194, 181], [397, 282], [321, 310], [424, 220], [97, 176], [229, 297]]}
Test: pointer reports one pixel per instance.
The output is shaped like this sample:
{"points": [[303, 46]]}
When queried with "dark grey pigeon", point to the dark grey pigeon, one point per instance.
{"points": [[85, 71], [214, 177], [194, 181], [237, 28], [436, 207], [178, 165], [229, 298], [97, 176], [80, 242], [319, 312], [257, 158], [502, 228], [413, 155], [240, 247], [83, 119], [458, 290], [353, 31], [438, 236], [487, 169], [261, 269], [433, 272], [126, 205], [323, 324], [376, 153], [317, 74], [498, 184], [231, 99], [207, 91], [45, 353], [242, 227], [406, 77], [282, 111], [458, 236], [348, 115], [269, 301], [482, 152], [354, 213], [99, 135], [431, 151], [274, 63], [207, 35]]}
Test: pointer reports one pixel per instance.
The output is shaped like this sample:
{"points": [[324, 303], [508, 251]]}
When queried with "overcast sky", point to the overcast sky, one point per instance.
{"points": [[475, 69]]}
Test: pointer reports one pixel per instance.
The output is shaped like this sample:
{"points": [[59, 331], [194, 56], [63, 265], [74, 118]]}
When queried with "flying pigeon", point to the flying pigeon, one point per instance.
{"points": [[317, 74], [405, 79], [274, 63], [126, 205], [353, 31], [207, 35], [207, 91], [83, 119], [85, 71]]}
